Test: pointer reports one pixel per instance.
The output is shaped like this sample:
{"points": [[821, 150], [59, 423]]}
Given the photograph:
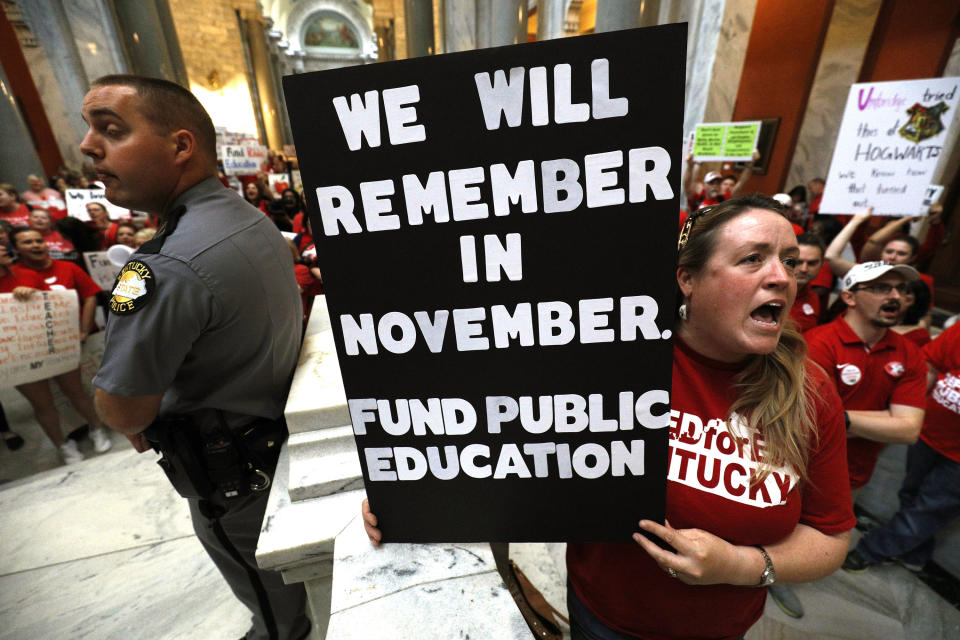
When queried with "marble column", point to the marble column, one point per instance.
{"points": [[265, 84], [844, 48], [501, 23], [613, 15], [150, 42], [550, 18], [18, 157], [50, 26], [95, 34], [459, 25], [419, 27]]}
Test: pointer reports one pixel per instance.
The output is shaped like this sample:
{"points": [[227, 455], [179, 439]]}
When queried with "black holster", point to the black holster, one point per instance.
{"points": [[222, 462]]}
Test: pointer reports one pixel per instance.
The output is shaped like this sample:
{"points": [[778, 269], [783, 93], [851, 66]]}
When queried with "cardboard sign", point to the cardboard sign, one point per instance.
{"points": [[39, 338], [242, 160], [726, 141], [889, 145], [78, 199], [497, 233], [931, 195], [101, 269]]}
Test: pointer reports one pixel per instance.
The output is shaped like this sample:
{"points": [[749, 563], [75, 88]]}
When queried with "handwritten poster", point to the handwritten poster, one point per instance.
{"points": [[101, 269], [889, 145], [242, 160], [39, 337], [497, 232], [734, 141], [78, 199]]}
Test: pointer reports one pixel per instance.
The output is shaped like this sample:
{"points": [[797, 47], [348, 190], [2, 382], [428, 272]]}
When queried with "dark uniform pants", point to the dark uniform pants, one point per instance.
{"points": [[279, 610]]}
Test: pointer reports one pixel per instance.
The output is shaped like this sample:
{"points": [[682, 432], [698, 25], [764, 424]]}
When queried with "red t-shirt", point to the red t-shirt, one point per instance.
{"points": [[20, 217], [14, 279], [892, 372], [299, 222], [708, 488], [63, 275], [699, 200], [941, 424], [918, 336], [59, 247], [806, 309]]}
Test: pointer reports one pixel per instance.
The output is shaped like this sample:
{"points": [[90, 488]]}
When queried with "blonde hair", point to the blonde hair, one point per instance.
{"points": [[775, 390]]}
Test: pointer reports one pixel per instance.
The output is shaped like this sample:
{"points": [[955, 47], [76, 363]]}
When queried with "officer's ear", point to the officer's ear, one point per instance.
{"points": [[186, 145]]}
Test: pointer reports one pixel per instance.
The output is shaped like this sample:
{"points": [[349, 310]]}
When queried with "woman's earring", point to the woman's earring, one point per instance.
{"points": [[682, 311]]}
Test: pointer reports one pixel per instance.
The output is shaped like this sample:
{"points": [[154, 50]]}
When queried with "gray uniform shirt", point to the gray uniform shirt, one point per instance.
{"points": [[221, 326]]}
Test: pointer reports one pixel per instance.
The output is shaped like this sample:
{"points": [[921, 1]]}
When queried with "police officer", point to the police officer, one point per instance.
{"points": [[204, 328]]}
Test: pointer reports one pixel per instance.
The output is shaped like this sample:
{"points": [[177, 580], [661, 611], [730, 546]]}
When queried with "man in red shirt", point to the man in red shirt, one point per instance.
{"points": [[930, 495], [57, 274], [712, 191], [806, 308], [880, 375]]}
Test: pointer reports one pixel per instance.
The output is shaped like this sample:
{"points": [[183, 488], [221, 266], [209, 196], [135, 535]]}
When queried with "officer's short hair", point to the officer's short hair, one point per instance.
{"points": [[169, 107]]}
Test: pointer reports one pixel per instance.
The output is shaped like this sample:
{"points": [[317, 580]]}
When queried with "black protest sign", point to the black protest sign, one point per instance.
{"points": [[496, 231]]}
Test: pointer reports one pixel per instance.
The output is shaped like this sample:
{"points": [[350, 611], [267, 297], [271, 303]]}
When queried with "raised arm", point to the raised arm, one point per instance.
{"points": [[745, 174], [838, 264], [689, 183], [873, 248]]}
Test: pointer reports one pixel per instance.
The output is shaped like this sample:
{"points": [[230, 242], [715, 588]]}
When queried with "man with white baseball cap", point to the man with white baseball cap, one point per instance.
{"points": [[880, 375]]}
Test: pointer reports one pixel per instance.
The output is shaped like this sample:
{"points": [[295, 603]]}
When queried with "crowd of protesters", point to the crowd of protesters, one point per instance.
{"points": [[42, 248]]}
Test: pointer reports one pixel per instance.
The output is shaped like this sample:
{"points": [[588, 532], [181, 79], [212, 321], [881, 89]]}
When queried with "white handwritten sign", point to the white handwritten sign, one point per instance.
{"points": [[889, 144], [101, 269], [242, 160], [39, 338], [78, 199]]}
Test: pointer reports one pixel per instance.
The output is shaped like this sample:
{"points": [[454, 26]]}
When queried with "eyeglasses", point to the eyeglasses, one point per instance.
{"points": [[882, 288]]}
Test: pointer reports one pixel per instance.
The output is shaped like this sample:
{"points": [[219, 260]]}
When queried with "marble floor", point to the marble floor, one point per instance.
{"points": [[104, 549]]}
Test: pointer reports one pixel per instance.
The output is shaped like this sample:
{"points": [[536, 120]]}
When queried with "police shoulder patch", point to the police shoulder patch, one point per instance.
{"points": [[133, 288]]}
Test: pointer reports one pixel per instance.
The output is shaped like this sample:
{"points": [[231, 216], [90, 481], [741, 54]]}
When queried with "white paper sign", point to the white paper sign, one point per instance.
{"points": [[931, 196], [78, 199], [242, 160], [103, 272], [889, 144], [39, 338]]}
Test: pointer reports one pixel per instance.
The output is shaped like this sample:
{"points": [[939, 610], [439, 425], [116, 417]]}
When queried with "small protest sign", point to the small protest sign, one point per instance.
{"points": [[39, 337], [931, 195], [497, 234], [278, 183], [101, 269], [242, 160], [889, 146], [78, 199], [734, 141]]}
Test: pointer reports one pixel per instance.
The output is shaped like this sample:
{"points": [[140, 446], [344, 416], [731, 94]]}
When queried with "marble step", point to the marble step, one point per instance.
{"points": [[322, 463]]}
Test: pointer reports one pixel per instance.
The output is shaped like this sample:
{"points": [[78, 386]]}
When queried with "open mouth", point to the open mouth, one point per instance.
{"points": [[768, 314], [892, 307]]}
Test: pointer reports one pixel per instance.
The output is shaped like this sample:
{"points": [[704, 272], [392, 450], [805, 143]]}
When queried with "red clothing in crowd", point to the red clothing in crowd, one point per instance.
{"points": [[928, 280], [60, 248], [49, 199], [941, 424], [62, 275], [300, 222], [918, 336], [13, 279], [708, 487], [20, 217], [892, 372], [699, 200], [806, 309]]}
